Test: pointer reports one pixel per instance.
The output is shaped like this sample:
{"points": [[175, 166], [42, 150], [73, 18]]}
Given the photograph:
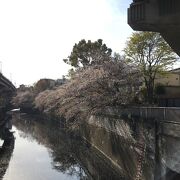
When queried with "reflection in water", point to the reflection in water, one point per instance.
{"points": [[6, 152], [44, 151], [33, 154]]}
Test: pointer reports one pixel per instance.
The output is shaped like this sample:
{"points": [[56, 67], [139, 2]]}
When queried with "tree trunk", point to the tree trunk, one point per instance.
{"points": [[150, 92]]}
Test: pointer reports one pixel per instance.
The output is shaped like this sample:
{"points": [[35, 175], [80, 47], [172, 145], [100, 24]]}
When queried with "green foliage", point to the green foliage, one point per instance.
{"points": [[151, 54], [149, 50], [88, 53]]}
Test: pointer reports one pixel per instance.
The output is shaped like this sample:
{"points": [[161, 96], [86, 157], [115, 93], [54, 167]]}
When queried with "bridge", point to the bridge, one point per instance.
{"points": [[6, 84], [7, 89]]}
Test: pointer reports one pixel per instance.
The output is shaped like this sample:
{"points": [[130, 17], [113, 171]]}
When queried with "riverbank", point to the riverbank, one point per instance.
{"points": [[97, 108]]}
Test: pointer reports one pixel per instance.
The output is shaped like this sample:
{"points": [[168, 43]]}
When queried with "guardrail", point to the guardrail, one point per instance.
{"points": [[163, 114]]}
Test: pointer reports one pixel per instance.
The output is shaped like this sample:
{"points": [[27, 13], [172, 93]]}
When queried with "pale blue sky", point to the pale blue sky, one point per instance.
{"points": [[36, 35]]}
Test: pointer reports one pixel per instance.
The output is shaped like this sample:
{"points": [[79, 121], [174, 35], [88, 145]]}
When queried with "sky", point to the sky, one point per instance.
{"points": [[36, 35]]}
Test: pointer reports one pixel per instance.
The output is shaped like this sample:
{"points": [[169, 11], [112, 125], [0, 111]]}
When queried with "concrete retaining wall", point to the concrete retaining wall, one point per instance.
{"points": [[117, 133]]}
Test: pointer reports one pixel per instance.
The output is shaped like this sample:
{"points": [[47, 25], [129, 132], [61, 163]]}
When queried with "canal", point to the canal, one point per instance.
{"points": [[40, 150]]}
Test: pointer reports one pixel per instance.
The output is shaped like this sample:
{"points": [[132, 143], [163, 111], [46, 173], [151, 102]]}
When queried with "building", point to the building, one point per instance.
{"points": [[159, 16], [171, 84], [171, 78]]}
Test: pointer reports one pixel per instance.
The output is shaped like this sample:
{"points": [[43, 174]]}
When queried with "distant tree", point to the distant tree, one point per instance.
{"points": [[88, 53], [44, 84], [151, 54], [24, 100]]}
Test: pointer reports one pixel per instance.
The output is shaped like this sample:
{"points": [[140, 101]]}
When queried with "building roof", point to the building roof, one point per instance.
{"points": [[177, 71]]}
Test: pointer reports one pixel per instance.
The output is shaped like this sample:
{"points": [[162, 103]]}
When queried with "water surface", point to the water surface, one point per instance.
{"points": [[42, 150], [34, 155]]}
